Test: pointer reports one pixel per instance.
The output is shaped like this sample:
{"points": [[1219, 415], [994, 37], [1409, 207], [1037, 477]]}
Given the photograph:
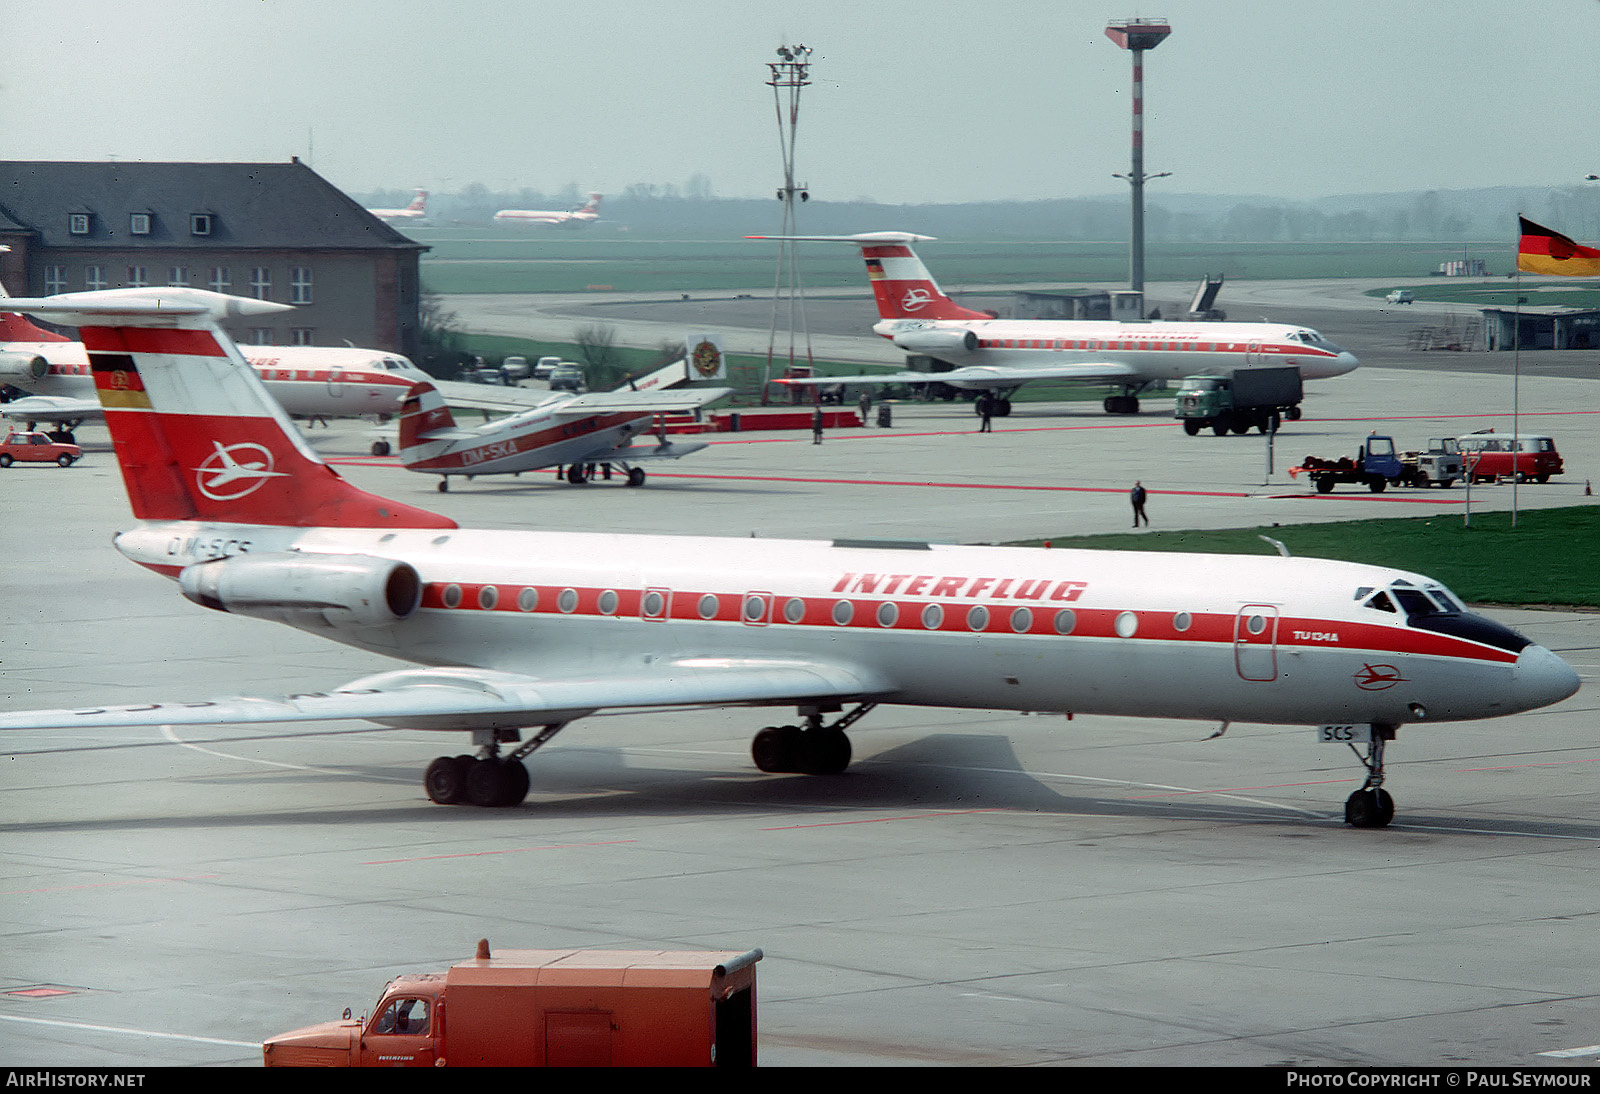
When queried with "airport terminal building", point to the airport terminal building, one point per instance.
{"points": [[272, 231]]}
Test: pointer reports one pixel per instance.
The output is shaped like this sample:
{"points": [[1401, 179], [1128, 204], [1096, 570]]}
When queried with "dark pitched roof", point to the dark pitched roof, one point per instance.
{"points": [[276, 205]]}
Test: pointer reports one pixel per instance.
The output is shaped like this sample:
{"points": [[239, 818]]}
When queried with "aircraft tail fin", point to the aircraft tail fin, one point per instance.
{"points": [[196, 435], [18, 328], [423, 411], [419, 204], [901, 284], [592, 205]]}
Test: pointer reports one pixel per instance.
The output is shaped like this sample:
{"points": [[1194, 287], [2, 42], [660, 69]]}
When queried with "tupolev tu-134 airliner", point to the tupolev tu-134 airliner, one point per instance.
{"points": [[517, 633]]}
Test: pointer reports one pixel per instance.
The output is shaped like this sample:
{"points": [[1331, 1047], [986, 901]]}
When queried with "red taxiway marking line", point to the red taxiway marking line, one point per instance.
{"points": [[506, 851], [885, 820]]}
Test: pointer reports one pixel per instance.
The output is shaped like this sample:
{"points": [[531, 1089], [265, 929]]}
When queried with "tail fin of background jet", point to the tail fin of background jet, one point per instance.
{"points": [[196, 434], [419, 204], [17, 328], [901, 284]]}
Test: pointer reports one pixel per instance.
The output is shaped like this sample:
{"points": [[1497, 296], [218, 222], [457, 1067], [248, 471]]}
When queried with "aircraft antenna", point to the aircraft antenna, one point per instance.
{"points": [[789, 74]]}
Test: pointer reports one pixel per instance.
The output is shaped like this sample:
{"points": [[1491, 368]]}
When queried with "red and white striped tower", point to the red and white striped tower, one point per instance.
{"points": [[1137, 36]]}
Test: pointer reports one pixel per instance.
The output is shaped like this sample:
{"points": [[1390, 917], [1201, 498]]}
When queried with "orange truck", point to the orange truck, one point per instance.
{"points": [[548, 1008]]}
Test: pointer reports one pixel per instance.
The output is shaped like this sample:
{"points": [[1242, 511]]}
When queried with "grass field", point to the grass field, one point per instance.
{"points": [[483, 261], [1548, 558]]}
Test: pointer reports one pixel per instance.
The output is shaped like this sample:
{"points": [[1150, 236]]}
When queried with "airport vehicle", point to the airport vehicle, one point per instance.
{"points": [[587, 213], [511, 631], [578, 431], [515, 368], [998, 356], [567, 377], [1402, 296], [1490, 456], [1437, 465], [1238, 399], [35, 447], [416, 212], [544, 366], [548, 1008], [1374, 466]]}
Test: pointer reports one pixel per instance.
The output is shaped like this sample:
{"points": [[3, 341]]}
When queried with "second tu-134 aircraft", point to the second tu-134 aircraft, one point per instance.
{"points": [[997, 356], [513, 631], [307, 381]]}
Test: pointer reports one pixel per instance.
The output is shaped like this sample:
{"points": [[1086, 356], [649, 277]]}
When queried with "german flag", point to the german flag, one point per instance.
{"points": [[1543, 251]]}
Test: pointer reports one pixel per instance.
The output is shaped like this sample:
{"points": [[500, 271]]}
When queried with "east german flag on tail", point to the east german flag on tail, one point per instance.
{"points": [[1543, 251]]}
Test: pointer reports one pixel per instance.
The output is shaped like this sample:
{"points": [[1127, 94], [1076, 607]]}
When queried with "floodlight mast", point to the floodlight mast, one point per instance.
{"points": [[790, 73], [1137, 36]]}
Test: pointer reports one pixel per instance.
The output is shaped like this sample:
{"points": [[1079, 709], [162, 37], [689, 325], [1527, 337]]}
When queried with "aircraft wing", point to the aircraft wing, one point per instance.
{"points": [[463, 698], [493, 397], [987, 375], [628, 453], [51, 408], [661, 401]]}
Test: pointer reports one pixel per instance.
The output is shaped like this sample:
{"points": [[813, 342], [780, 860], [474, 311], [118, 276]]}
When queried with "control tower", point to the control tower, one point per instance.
{"points": [[1136, 36]]}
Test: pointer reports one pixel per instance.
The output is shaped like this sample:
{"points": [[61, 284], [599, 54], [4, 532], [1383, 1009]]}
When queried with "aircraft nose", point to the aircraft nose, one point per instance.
{"points": [[1542, 678], [1345, 362]]}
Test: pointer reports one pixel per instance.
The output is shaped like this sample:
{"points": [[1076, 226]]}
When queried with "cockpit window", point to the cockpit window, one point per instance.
{"points": [[1380, 600], [1445, 601]]}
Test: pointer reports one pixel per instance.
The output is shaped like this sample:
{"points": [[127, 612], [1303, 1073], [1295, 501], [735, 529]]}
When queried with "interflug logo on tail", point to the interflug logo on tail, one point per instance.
{"points": [[916, 299], [235, 471]]}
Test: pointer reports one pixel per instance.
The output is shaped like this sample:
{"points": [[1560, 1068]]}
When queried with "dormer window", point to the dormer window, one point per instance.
{"points": [[78, 223], [200, 224], [139, 224]]}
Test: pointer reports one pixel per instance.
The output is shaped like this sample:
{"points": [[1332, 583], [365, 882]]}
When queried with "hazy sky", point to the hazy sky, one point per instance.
{"points": [[912, 100]]}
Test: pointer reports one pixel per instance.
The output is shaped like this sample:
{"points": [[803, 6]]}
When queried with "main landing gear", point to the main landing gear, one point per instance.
{"points": [[1371, 806], [999, 406], [809, 749], [579, 473], [487, 779]]}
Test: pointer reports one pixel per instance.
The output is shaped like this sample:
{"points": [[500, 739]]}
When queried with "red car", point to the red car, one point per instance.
{"points": [[37, 448]]}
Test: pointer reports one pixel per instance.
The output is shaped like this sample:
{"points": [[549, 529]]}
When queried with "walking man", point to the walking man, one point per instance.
{"points": [[1137, 496], [985, 413], [816, 426]]}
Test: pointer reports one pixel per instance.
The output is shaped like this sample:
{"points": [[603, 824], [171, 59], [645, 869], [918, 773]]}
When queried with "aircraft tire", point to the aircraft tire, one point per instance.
{"points": [[495, 782], [1369, 808], [445, 780], [380, 448], [635, 476], [775, 749], [576, 475], [444, 485], [826, 752]]}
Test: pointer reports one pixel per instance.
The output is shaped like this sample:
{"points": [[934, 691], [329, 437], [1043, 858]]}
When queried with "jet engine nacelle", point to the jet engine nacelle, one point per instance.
{"points": [[935, 342], [301, 589], [22, 369]]}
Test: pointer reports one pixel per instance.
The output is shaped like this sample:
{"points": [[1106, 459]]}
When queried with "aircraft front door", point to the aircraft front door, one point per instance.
{"points": [[336, 382], [1255, 642]]}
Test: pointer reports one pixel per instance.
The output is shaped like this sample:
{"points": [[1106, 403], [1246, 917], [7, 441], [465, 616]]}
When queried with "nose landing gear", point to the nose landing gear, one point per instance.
{"points": [[1371, 806]]}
